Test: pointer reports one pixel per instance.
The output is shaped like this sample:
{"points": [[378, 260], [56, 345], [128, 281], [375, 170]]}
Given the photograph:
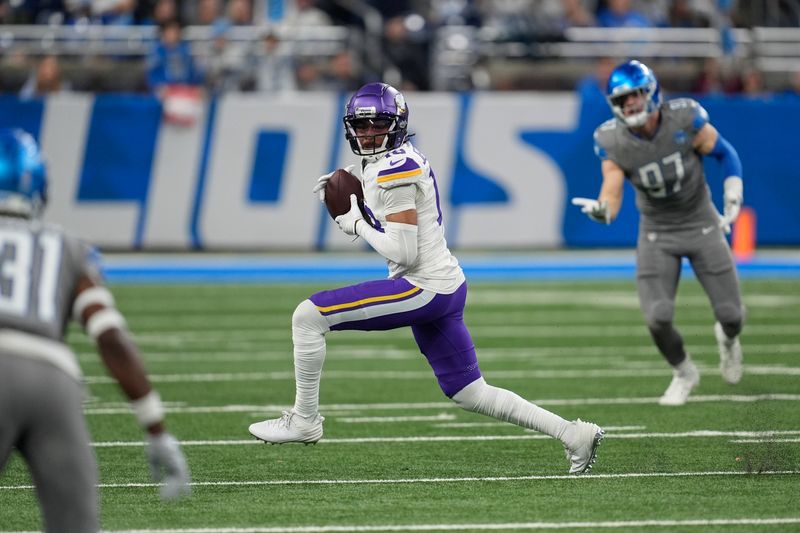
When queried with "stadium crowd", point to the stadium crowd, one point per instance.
{"points": [[268, 59]]}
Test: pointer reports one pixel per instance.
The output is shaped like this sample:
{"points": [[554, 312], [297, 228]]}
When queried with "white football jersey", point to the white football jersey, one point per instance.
{"points": [[435, 269]]}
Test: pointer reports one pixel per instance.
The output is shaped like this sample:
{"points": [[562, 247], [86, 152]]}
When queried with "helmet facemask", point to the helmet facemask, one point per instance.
{"points": [[380, 133]]}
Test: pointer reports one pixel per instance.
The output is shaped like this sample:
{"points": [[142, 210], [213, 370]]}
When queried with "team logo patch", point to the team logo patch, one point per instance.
{"points": [[400, 102], [680, 137]]}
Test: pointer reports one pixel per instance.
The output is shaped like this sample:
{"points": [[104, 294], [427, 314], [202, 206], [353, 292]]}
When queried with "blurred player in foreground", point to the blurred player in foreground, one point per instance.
{"points": [[46, 277], [659, 146], [426, 288]]}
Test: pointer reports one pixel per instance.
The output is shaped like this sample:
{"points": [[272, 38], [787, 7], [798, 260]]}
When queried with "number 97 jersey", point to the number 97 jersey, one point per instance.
{"points": [[39, 270], [665, 170]]}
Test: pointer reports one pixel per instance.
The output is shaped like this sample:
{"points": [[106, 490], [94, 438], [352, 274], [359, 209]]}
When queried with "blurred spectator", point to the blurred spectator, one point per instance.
{"points": [[620, 14], [305, 13], [272, 64], [752, 82], [170, 61], [226, 66], [593, 86], [513, 19], [341, 74], [555, 16], [408, 51], [113, 12], [44, 80], [208, 11], [716, 78], [163, 11], [794, 85], [683, 15], [239, 12]]}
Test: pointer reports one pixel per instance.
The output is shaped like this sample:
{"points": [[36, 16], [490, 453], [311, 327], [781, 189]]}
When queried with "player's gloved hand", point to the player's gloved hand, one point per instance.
{"points": [[167, 463], [347, 222], [322, 181], [733, 204], [732, 196], [595, 210]]}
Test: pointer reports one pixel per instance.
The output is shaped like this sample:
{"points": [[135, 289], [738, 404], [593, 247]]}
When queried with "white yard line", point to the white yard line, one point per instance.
{"points": [[702, 433], [563, 354], [656, 370], [435, 480], [116, 409]]}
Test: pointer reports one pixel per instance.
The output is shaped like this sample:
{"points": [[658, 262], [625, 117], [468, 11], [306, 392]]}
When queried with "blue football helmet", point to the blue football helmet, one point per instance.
{"points": [[633, 76], [382, 105], [23, 178]]}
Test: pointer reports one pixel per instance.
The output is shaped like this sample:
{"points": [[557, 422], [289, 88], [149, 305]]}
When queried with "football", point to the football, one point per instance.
{"points": [[338, 190]]}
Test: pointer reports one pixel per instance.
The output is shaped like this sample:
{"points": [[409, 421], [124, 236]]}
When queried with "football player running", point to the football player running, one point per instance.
{"points": [[47, 277], [426, 288], [659, 146]]}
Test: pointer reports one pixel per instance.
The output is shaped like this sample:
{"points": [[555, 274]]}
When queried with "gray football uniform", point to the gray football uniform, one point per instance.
{"points": [[40, 390], [677, 219]]}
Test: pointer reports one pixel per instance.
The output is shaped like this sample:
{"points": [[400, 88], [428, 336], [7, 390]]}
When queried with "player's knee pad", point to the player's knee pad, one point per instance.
{"points": [[473, 396], [308, 321], [659, 315], [731, 317]]}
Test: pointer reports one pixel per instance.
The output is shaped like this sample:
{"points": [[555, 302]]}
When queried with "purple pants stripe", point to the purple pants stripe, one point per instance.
{"points": [[436, 320]]}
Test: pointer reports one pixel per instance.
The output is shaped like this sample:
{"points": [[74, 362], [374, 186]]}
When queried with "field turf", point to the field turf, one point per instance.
{"points": [[398, 456]]}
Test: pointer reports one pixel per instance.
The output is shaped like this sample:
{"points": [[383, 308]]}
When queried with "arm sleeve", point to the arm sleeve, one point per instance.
{"points": [[398, 243], [726, 154]]}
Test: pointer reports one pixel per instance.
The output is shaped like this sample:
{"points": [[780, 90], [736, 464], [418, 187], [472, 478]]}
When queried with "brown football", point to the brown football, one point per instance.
{"points": [[338, 190]]}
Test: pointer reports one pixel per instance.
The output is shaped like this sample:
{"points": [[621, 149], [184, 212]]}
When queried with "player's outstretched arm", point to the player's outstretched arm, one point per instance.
{"points": [[708, 141], [608, 203], [94, 308]]}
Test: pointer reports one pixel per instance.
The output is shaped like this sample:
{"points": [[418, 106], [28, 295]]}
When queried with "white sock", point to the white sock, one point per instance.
{"points": [[507, 406], [308, 335], [686, 366]]}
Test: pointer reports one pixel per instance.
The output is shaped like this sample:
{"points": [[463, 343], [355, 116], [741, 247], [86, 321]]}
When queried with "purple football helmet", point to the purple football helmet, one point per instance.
{"points": [[379, 105]]}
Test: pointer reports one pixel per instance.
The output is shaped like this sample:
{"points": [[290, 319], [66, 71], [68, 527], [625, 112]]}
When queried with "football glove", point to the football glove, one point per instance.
{"points": [[593, 209], [732, 197], [167, 463], [347, 222], [322, 181]]}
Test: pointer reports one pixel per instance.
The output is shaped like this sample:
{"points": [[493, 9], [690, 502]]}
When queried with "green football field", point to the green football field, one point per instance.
{"points": [[398, 456]]}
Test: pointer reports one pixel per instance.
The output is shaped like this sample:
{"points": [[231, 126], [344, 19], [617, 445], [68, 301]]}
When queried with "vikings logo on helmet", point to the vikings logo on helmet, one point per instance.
{"points": [[379, 105], [628, 78]]}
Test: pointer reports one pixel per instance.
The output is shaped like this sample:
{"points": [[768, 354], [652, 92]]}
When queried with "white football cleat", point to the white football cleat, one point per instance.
{"points": [[583, 456], [290, 427], [730, 355], [681, 386]]}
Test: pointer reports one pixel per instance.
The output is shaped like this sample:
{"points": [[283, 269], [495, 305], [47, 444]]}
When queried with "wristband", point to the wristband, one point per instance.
{"points": [[148, 409]]}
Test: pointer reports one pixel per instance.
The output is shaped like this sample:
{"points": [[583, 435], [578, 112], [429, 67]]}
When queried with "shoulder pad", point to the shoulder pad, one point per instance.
{"points": [[398, 170], [689, 112], [604, 138]]}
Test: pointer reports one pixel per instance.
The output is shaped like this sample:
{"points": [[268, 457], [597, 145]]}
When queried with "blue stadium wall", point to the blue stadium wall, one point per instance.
{"points": [[239, 176]]}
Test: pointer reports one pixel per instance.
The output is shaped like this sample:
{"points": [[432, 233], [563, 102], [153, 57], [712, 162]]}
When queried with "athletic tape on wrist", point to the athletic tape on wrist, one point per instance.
{"points": [[92, 296], [148, 409], [104, 320]]}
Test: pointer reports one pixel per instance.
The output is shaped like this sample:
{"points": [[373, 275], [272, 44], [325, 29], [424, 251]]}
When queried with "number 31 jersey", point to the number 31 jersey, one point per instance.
{"points": [[666, 171], [40, 267]]}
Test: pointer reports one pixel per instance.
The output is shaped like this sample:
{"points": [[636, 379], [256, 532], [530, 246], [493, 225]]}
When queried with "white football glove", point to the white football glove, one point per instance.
{"points": [[347, 222], [733, 202], [595, 210], [322, 181], [167, 463]]}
